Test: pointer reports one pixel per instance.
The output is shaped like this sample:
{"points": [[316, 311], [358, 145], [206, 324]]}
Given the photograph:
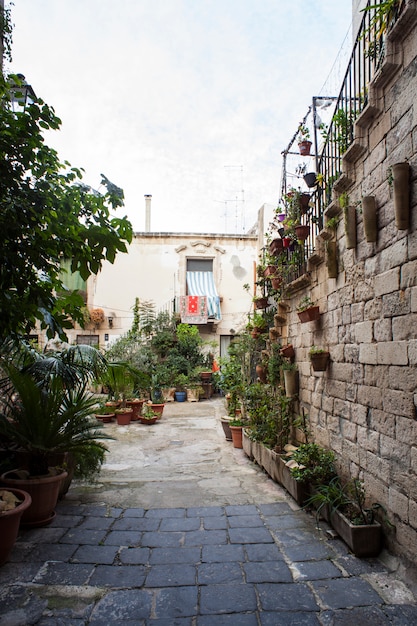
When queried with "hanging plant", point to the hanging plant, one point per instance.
{"points": [[96, 317]]}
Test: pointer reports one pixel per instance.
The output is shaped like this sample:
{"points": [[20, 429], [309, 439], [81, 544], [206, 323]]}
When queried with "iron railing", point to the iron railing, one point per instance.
{"points": [[367, 56]]}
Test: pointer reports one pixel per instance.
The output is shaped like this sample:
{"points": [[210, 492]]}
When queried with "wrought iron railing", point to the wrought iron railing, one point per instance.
{"points": [[367, 56]]}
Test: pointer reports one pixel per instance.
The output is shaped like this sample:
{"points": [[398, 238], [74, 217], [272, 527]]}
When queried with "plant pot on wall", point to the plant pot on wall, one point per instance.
{"points": [[260, 303], [309, 315], [331, 258], [276, 247], [401, 182], [350, 226], [302, 231], [369, 218], [304, 147], [320, 361], [310, 179], [291, 382]]}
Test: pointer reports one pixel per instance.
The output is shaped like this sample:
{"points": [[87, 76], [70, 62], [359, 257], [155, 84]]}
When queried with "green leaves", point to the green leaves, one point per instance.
{"points": [[47, 214]]}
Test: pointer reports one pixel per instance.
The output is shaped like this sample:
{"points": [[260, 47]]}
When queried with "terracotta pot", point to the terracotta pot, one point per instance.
{"points": [[136, 406], [124, 416], [276, 247], [44, 491], [261, 373], [302, 231], [276, 282], [106, 418], [269, 270], [158, 408], [148, 421], [401, 176], [309, 315], [260, 303], [320, 361], [288, 351], [237, 436], [304, 147], [304, 202], [369, 218], [10, 521]]}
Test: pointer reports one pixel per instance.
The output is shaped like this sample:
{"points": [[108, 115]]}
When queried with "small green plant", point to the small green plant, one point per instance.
{"points": [[314, 464], [344, 200], [303, 133], [148, 413], [316, 350], [305, 303], [332, 222]]}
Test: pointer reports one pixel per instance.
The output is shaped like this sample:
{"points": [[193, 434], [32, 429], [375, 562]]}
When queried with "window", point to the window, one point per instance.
{"points": [[88, 340], [200, 282]]}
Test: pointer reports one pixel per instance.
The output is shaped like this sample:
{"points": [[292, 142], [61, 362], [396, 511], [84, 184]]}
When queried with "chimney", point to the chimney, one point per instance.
{"points": [[148, 199]]}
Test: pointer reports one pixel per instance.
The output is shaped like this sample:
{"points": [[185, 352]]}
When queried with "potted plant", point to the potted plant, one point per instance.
{"points": [[181, 382], [313, 464], [319, 358], [308, 310], [104, 413], [236, 426], [355, 523], [290, 372], [45, 418], [148, 415], [13, 503], [304, 143], [260, 302]]}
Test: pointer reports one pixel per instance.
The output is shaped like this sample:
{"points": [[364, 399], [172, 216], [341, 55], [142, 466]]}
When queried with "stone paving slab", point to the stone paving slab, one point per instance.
{"points": [[166, 576], [200, 539]]}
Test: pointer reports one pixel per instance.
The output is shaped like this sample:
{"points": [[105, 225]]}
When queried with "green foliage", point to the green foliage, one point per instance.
{"points": [[305, 303], [47, 418], [315, 464], [269, 418], [275, 362], [47, 215]]}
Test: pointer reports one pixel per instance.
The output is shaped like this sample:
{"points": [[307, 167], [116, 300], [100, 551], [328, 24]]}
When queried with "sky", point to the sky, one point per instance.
{"points": [[190, 101]]}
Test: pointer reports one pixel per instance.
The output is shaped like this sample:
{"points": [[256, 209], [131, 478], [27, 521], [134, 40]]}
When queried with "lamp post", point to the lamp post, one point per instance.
{"points": [[21, 94]]}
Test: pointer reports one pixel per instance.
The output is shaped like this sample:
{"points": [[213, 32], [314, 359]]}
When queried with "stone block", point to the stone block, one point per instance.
{"points": [[387, 282], [368, 353], [370, 397], [350, 451], [406, 536], [373, 309], [364, 332], [398, 403], [412, 513], [357, 312], [398, 504], [392, 353], [404, 327], [346, 314], [337, 389], [377, 466], [413, 459], [368, 439], [412, 352], [383, 330], [408, 275], [348, 430], [403, 378], [397, 303], [359, 414], [383, 423], [405, 429], [394, 256], [413, 299], [351, 353]]}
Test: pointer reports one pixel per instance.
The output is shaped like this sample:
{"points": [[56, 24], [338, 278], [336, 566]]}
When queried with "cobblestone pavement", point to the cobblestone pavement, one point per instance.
{"points": [[135, 549]]}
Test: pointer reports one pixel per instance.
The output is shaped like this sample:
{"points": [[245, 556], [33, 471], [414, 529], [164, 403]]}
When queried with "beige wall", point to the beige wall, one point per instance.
{"points": [[154, 269]]}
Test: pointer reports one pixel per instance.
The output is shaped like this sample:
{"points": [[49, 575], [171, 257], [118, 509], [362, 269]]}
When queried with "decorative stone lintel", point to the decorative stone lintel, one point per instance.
{"points": [[314, 260], [367, 116], [405, 22]]}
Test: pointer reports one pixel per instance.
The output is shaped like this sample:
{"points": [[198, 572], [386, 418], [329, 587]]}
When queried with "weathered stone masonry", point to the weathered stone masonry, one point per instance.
{"points": [[364, 405]]}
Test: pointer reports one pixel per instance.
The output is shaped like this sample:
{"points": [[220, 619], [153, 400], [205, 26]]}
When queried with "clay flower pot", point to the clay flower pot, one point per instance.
{"points": [[237, 436], [124, 416], [10, 521], [309, 315], [302, 231], [288, 351], [304, 147], [320, 361]]}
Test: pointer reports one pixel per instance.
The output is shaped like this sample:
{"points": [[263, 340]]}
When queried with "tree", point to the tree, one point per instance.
{"points": [[47, 215]]}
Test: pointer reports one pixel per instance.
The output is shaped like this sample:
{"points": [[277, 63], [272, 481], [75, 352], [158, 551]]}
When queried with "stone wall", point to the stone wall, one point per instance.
{"points": [[364, 405]]}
